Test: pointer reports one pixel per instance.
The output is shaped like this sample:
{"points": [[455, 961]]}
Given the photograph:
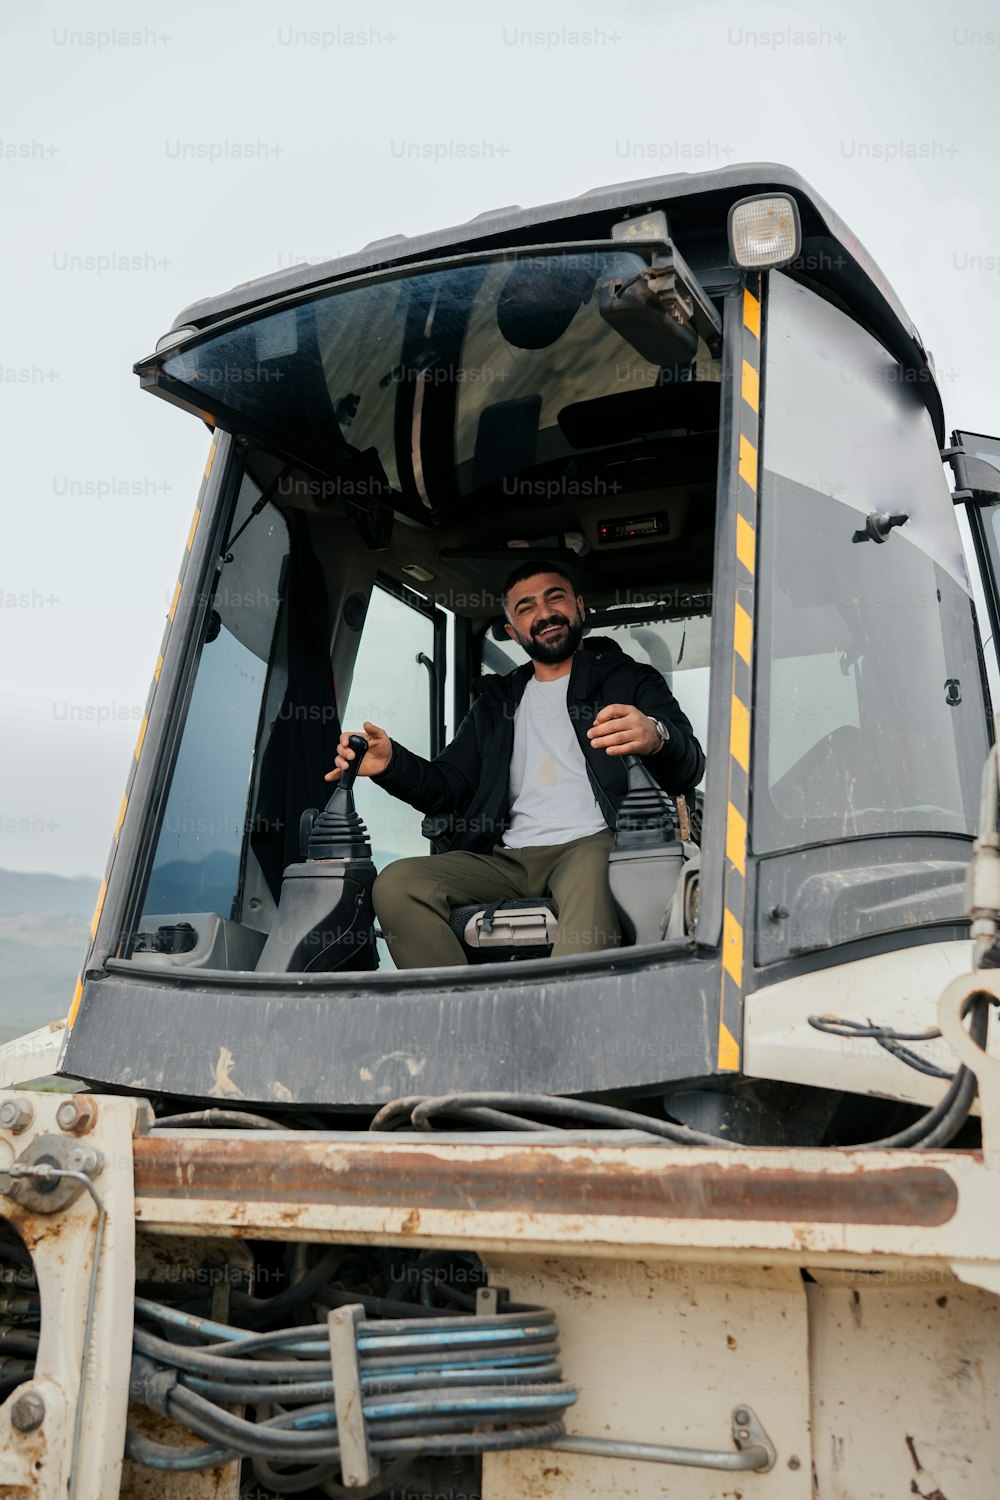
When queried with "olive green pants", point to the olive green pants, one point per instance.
{"points": [[414, 897]]}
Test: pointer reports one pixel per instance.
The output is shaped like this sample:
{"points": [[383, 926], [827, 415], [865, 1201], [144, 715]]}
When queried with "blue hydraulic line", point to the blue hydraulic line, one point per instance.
{"points": [[288, 1393], [143, 1450], [457, 1383], [508, 1328], [201, 1358], [188, 1321], [185, 1460], [453, 1337]]}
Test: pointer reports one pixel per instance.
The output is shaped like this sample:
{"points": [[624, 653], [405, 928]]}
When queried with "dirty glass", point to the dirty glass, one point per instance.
{"points": [[436, 383], [196, 867], [868, 714]]}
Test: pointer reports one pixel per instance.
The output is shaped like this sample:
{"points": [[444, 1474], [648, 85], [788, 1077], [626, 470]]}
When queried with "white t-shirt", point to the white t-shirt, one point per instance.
{"points": [[552, 800]]}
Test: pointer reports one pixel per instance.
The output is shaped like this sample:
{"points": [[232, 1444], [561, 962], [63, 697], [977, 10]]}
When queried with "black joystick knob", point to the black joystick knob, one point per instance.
{"points": [[338, 832], [359, 745]]}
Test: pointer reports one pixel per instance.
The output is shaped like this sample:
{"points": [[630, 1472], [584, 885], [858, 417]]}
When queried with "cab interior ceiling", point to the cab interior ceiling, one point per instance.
{"points": [[645, 469]]}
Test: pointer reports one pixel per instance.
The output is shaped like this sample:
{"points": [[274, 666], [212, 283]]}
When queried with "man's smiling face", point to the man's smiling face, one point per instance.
{"points": [[545, 618]]}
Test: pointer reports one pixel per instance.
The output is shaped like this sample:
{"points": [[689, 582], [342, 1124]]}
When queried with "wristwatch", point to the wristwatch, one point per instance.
{"points": [[661, 730]]}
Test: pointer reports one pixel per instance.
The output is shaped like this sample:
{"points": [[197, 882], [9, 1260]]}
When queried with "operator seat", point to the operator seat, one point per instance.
{"points": [[499, 931]]}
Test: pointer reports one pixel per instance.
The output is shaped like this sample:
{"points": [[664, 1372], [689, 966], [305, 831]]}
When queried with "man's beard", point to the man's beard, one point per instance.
{"points": [[560, 648]]}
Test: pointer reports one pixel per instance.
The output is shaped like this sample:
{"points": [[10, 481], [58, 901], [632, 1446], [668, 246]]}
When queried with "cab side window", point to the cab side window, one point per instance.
{"points": [[205, 822], [396, 686]]}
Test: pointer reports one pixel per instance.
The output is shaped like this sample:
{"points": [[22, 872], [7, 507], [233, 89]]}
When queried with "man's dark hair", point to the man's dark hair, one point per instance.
{"points": [[529, 568]]}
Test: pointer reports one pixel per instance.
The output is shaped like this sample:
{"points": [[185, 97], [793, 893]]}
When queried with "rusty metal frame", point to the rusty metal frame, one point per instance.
{"points": [[492, 1193], [84, 1263], [338, 1174]]}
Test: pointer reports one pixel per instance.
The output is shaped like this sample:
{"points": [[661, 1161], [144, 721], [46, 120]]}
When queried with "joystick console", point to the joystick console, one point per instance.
{"points": [[325, 918]]}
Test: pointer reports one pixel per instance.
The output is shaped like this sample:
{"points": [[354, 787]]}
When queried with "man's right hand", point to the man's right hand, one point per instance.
{"points": [[378, 757]]}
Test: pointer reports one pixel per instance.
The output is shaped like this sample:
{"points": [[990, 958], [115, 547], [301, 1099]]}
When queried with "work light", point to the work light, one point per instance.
{"points": [[650, 227], [764, 231]]}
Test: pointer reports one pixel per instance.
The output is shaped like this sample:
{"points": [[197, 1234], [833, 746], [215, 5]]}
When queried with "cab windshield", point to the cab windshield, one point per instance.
{"points": [[422, 389]]}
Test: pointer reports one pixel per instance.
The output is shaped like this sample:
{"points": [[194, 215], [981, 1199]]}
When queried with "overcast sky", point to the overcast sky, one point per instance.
{"points": [[152, 156]]}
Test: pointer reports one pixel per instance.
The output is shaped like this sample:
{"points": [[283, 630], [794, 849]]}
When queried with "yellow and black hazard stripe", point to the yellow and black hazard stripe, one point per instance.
{"points": [[738, 807], [102, 893]]}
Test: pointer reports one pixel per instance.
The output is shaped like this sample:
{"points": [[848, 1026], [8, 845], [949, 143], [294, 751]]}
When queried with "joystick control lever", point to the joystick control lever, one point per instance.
{"points": [[338, 832], [325, 919], [341, 803]]}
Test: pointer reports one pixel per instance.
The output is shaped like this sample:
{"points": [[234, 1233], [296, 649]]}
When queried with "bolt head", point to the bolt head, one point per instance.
{"points": [[16, 1115], [741, 1416], [77, 1115], [28, 1412], [84, 1159]]}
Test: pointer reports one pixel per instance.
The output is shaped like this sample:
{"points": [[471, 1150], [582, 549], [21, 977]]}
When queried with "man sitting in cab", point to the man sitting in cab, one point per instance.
{"points": [[533, 780]]}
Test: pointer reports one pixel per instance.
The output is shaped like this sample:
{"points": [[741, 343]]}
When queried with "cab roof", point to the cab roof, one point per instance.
{"points": [[697, 206]]}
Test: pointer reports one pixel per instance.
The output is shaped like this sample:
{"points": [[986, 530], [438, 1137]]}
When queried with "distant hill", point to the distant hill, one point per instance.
{"points": [[22, 894], [205, 884], [44, 930], [40, 957]]}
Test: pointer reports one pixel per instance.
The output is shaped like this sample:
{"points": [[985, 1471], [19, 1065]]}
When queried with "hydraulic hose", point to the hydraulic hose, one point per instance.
{"points": [[942, 1123], [934, 1129], [443, 1384], [421, 1111], [225, 1119], [263, 1309]]}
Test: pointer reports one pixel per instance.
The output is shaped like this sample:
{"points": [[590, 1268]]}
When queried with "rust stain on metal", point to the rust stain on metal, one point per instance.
{"points": [[914, 1486], [533, 1182]]}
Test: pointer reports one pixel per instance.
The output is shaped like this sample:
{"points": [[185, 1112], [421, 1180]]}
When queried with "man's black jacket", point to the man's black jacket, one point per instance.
{"points": [[468, 785]]}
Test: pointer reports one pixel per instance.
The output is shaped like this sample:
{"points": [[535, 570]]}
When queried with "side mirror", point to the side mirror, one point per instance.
{"points": [[976, 478]]}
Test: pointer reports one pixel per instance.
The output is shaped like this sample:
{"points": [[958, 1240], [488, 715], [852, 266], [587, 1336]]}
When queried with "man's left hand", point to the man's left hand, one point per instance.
{"points": [[621, 729]]}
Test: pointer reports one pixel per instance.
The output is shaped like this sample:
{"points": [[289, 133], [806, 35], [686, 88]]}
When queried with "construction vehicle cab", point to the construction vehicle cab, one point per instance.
{"points": [[699, 395]]}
